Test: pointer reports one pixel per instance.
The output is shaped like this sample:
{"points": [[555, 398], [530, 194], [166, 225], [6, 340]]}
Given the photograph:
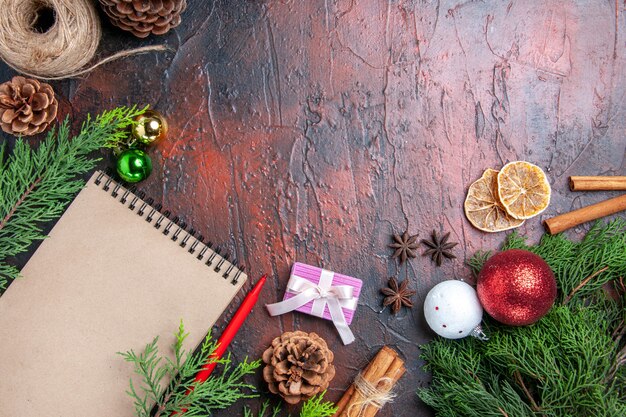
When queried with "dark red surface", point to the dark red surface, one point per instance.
{"points": [[312, 130]]}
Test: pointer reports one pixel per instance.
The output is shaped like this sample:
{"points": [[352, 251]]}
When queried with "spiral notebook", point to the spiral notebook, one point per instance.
{"points": [[114, 273]]}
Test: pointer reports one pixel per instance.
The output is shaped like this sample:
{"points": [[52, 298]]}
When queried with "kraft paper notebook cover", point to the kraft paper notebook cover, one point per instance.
{"points": [[113, 274]]}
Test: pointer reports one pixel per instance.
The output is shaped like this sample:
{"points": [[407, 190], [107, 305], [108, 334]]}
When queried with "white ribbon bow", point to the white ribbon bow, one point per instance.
{"points": [[322, 294]]}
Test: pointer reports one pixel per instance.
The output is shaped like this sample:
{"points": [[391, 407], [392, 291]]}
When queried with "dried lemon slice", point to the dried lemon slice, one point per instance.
{"points": [[523, 189], [483, 208]]}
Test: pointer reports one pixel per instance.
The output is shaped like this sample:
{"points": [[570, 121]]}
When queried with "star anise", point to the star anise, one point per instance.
{"points": [[396, 295], [405, 246], [439, 247]]}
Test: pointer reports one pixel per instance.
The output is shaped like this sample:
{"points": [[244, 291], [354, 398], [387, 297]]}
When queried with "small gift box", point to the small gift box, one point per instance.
{"points": [[321, 293]]}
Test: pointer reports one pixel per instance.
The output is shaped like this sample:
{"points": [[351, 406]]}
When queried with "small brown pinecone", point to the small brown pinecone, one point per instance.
{"points": [[299, 365], [27, 106], [143, 17]]}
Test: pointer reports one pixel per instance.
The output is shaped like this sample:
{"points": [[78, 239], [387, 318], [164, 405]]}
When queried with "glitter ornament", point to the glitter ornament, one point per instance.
{"points": [[516, 287], [453, 311]]}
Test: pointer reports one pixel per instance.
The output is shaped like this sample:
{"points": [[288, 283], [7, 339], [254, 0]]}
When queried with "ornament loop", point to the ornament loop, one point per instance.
{"points": [[479, 334]]}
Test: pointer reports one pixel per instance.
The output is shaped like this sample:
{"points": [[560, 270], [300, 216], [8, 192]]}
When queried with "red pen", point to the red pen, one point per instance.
{"points": [[229, 332], [231, 329]]}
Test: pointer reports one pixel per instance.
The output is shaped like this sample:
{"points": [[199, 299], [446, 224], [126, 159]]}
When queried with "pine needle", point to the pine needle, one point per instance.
{"points": [[37, 184], [264, 410], [477, 261], [313, 407], [317, 407], [570, 363], [198, 398]]}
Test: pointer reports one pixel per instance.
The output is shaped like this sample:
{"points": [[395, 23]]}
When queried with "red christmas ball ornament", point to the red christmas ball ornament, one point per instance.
{"points": [[516, 287]]}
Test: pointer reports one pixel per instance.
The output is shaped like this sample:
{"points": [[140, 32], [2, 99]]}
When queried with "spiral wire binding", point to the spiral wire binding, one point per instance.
{"points": [[191, 234], [212, 256], [208, 246], [163, 216], [176, 226], [198, 241]]}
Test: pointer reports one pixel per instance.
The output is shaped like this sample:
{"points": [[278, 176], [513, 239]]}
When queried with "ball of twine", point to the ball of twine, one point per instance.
{"points": [[61, 46]]}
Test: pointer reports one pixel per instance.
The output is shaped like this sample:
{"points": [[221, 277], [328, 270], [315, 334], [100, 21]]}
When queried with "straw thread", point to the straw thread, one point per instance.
{"points": [[61, 51], [375, 394]]}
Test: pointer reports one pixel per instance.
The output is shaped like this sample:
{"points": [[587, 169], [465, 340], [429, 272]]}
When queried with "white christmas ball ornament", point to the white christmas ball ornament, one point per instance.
{"points": [[452, 310]]}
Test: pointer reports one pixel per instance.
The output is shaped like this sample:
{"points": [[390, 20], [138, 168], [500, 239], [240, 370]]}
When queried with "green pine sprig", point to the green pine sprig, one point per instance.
{"points": [[36, 184], [265, 410], [570, 363], [317, 407], [182, 392], [313, 407]]}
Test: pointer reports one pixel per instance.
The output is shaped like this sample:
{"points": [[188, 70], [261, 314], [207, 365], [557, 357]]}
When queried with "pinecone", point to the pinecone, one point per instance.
{"points": [[143, 17], [298, 366], [27, 106]]}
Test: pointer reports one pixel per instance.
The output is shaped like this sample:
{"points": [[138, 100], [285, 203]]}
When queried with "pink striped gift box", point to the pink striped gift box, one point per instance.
{"points": [[313, 274]]}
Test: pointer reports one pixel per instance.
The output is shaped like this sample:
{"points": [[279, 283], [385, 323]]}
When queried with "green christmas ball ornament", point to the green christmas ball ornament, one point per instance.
{"points": [[150, 127], [134, 165]]}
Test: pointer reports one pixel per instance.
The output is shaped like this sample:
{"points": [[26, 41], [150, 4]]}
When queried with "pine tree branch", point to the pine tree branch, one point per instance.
{"points": [[620, 360], [264, 410], [161, 407], [37, 183], [504, 414], [313, 407], [19, 202], [520, 382], [619, 331], [183, 392], [583, 283], [571, 362], [316, 407]]}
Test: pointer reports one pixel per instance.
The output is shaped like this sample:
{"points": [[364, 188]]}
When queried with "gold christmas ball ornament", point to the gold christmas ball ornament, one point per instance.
{"points": [[150, 128]]}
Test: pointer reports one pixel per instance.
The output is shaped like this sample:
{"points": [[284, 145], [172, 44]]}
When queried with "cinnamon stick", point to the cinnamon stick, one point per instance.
{"points": [[376, 370], [386, 364], [347, 396], [343, 402], [605, 183], [595, 211], [395, 371]]}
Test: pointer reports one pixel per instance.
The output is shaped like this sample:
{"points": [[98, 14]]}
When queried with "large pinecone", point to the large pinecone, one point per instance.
{"points": [[27, 106], [298, 366], [143, 17]]}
